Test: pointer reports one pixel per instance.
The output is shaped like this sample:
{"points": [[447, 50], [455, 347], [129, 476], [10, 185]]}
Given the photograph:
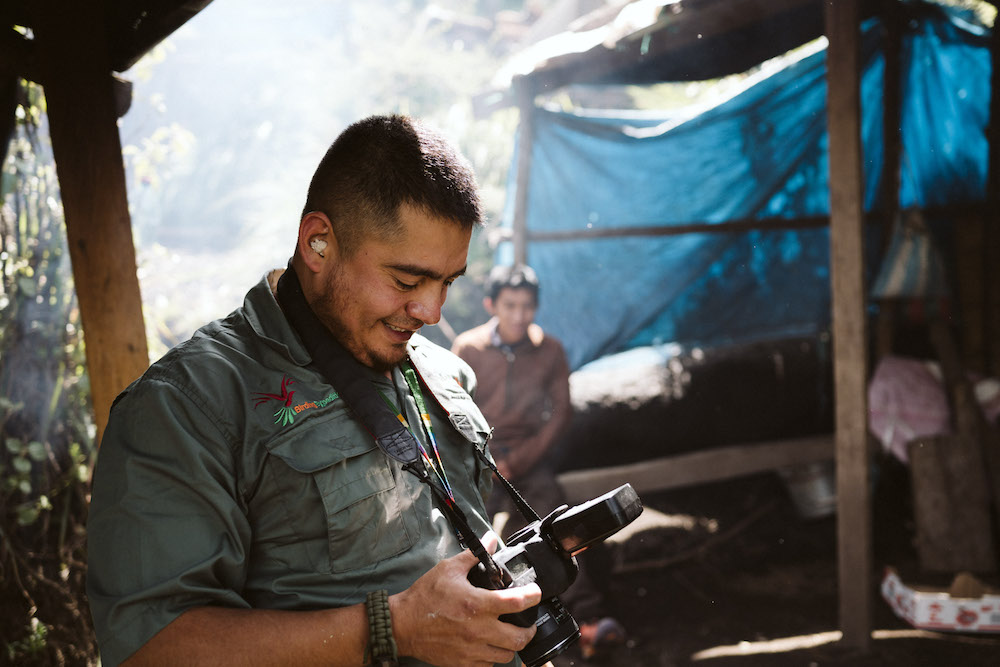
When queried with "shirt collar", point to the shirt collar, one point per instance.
{"points": [[534, 337], [268, 322]]}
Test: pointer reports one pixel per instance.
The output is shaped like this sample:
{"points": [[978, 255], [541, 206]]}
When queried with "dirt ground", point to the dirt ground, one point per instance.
{"points": [[732, 565]]}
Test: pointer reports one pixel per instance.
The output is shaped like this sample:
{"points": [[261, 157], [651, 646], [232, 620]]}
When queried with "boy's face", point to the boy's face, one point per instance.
{"points": [[515, 308]]}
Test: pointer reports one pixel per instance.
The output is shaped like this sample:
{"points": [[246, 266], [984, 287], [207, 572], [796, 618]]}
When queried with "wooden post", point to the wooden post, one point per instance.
{"points": [[888, 196], [87, 148], [524, 88], [849, 328], [892, 101], [991, 241]]}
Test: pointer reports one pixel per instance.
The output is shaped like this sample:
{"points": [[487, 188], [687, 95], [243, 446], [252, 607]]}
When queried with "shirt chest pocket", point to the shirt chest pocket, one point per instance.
{"points": [[344, 491]]}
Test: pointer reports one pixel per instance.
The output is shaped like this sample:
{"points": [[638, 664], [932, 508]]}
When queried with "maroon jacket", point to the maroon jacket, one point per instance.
{"points": [[523, 390]]}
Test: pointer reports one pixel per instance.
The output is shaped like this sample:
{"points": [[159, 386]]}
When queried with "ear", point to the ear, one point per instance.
{"points": [[488, 306], [316, 243]]}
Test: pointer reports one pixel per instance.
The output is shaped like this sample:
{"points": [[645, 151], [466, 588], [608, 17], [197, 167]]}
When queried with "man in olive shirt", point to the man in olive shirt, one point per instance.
{"points": [[242, 514]]}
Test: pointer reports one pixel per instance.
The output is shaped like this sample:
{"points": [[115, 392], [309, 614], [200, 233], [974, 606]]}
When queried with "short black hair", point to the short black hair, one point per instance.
{"points": [[381, 162], [516, 276]]}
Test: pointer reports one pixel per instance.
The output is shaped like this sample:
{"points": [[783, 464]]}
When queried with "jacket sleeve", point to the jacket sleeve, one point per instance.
{"points": [[167, 530]]}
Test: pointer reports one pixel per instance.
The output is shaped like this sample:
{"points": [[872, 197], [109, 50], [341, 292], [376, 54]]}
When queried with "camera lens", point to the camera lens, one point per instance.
{"points": [[557, 629]]}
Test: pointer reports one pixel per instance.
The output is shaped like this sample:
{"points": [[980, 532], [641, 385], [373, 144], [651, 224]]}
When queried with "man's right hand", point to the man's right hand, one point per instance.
{"points": [[444, 620], [441, 619]]}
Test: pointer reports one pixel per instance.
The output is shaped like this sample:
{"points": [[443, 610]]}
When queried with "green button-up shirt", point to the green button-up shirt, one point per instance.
{"points": [[232, 474]]}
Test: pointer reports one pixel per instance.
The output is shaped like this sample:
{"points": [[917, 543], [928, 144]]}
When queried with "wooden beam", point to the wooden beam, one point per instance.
{"points": [[9, 86], [668, 49], [730, 227], [892, 114], [711, 465], [888, 194], [991, 241], [712, 20], [135, 27], [19, 58], [83, 125], [525, 91], [958, 211], [849, 327], [17, 55]]}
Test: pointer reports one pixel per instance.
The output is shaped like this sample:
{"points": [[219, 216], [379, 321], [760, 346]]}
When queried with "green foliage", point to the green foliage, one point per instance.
{"points": [[218, 159], [45, 423], [200, 191], [32, 646]]}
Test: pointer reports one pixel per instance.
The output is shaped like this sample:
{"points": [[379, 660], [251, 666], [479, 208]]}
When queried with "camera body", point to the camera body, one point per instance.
{"points": [[543, 552]]}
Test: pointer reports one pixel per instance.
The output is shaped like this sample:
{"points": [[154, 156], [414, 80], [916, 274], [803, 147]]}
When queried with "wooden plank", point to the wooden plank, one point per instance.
{"points": [[960, 211], [19, 58], [17, 55], [854, 558], [712, 465], [138, 27], [526, 130], [888, 195], [991, 242], [951, 505], [892, 102], [87, 148], [991, 288], [671, 41], [974, 457], [9, 86], [969, 256], [732, 227]]}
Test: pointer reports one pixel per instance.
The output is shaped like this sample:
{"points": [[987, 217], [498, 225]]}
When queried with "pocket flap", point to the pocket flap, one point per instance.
{"points": [[310, 449]]}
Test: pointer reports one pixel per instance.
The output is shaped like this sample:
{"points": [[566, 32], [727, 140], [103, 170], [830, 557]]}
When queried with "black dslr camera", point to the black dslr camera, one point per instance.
{"points": [[543, 552]]}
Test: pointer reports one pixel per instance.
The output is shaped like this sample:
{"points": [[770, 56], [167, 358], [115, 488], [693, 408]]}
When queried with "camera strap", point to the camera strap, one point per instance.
{"points": [[347, 375], [522, 505]]}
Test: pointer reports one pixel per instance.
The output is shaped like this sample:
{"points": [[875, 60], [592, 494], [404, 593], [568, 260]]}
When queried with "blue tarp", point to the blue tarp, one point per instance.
{"points": [[761, 154]]}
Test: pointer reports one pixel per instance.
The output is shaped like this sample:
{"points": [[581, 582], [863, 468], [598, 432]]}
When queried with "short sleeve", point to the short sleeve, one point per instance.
{"points": [[167, 530]]}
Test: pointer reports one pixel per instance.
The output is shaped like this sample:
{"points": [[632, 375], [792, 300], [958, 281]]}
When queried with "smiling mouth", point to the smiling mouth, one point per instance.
{"points": [[393, 327]]}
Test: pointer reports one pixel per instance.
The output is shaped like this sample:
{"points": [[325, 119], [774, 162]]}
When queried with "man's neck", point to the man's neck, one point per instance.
{"points": [[512, 342], [500, 338]]}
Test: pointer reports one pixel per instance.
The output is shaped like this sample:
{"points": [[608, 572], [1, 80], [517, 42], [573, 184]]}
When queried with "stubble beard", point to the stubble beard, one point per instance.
{"points": [[330, 307]]}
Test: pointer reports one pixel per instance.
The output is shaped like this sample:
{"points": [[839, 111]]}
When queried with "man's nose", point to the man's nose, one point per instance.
{"points": [[426, 306]]}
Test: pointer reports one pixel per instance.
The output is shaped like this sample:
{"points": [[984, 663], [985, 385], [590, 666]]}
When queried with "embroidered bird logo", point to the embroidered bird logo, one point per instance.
{"points": [[285, 414]]}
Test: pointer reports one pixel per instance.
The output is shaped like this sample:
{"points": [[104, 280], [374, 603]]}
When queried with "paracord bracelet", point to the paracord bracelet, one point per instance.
{"points": [[381, 648]]}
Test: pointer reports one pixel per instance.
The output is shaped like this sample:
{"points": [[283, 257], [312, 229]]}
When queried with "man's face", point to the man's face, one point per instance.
{"points": [[379, 295], [514, 308]]}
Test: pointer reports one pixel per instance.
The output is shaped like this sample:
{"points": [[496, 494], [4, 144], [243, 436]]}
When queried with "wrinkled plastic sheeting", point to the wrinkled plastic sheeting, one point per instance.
{"points": [[761, 154], [906, 401]]}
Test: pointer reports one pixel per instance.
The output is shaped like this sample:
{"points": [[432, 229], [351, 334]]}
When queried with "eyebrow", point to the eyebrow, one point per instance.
{"points": [[414, 270]]}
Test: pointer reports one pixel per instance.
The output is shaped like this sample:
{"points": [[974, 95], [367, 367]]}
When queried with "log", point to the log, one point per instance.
{"points": [[951, 505], [712, 465]]}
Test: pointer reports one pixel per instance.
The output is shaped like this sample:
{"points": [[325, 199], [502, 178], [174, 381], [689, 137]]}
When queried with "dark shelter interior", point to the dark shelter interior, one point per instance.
{"points": [[712, 370]]}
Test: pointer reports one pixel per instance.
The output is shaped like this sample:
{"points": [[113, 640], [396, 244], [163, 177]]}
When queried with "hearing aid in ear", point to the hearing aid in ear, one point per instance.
{"points": [[319, 245]]}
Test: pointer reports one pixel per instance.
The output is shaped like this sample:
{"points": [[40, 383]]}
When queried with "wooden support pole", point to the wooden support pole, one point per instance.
{"points": [[87, 147], [892, 104], [849, 327], [526, 134], [991, 240], [888, 195]]}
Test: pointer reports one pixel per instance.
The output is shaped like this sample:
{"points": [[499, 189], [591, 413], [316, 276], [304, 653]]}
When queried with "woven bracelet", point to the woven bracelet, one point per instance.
{"points": [[381, 650]]}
